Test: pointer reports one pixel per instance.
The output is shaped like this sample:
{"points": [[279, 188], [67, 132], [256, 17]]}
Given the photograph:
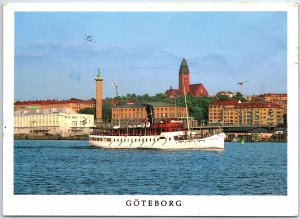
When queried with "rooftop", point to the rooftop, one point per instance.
{"points": [[184, 69], [246, 129], [226, 102], [44, 111], [142, 105], [273, 95], [46, 102], [158, 104], [258, 105], [183, 62], [239, 104]]}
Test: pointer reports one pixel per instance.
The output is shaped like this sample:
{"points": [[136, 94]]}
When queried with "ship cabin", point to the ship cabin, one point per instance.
{"points": [[166, 125]]}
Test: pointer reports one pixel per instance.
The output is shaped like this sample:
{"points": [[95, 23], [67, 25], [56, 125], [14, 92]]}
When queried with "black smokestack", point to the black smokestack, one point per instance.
{"points": [[150, 113]]}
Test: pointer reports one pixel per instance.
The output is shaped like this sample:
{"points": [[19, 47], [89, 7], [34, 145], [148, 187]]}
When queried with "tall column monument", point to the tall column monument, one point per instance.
{"points": [[99, 80]]}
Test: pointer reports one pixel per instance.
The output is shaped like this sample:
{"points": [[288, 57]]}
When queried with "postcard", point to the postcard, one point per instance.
{"points": [[150, 109]]}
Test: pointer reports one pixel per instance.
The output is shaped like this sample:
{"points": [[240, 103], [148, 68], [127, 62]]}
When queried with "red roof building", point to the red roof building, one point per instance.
{"points": [[280, 99], [197, 90], [237, 113], [75, 104]]}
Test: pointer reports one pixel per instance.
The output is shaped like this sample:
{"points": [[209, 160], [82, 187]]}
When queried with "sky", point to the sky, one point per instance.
{"points": [[57, 54]]}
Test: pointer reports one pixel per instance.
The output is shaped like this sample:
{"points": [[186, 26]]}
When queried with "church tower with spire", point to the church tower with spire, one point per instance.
{"points": [[184, 78]]}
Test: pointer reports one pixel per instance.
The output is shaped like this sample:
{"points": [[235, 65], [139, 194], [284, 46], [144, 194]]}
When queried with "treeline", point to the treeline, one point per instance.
{"points": [[197, 106]]}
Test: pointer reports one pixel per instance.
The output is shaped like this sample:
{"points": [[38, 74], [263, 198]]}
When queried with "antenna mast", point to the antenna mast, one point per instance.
{"points": [[241, 85], [118, 109]]}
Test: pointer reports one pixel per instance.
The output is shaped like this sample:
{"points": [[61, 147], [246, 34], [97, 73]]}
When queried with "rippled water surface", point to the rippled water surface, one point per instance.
{"points": [[73, 167]]}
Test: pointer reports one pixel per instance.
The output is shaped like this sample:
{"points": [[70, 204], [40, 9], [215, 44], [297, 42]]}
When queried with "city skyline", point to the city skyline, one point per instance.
{"points": [[57, 54]]}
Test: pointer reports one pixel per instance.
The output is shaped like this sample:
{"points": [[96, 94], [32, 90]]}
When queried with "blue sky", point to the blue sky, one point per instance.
{"points": [[143, 51]]}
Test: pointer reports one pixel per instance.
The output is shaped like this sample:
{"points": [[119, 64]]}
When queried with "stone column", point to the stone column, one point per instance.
{"points": [[98, 97]]}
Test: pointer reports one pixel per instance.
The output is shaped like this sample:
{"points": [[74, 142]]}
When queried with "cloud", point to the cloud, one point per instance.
{"points": [[75, 76], [50, 49]]}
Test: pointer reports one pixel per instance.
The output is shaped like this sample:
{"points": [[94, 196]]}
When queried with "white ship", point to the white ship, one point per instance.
{"points": [[168, 135]]}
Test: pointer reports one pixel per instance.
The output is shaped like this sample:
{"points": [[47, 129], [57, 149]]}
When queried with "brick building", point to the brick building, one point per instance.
{"points": [[74, 104], [136, 112], [236, 113], [197, 90]]}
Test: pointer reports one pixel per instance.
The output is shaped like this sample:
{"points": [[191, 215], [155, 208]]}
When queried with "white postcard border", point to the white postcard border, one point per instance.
{"points": [[106, 205]]}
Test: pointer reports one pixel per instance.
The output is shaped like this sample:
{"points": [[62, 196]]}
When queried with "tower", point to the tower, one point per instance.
{"points": [[184, 78], [98, 96]]}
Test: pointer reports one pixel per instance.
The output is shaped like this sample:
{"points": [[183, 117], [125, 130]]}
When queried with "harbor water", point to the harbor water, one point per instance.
{"points": [[74, 167]]}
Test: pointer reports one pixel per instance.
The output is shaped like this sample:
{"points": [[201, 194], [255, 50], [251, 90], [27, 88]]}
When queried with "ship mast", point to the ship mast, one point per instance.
{"points": [[186, 108]]}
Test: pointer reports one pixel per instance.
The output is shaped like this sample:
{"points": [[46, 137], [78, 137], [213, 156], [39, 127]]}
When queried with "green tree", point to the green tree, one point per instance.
{"points": [[89, 110], [197, 106], [223, 97], [160, 97], [106, 112], [73, 98], [239, 96]]}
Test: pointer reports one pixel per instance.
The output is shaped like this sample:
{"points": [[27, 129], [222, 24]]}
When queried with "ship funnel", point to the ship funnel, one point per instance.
{"points": [[150, 114]]}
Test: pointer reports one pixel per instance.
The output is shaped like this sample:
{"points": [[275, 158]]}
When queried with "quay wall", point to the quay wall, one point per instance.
{"points": [[50, 137]]}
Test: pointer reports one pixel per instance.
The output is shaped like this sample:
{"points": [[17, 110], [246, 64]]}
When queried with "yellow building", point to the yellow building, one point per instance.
{"points": [[280, 99], [135, 112], [236, 113], [64, 122]]}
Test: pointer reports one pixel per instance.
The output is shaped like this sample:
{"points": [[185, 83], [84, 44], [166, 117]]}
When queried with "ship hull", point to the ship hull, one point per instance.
{"points": [[165, 141]]}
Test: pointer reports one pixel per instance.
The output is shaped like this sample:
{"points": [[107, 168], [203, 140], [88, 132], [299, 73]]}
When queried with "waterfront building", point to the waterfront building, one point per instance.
{"points": [[280, 99], [74, 104], [248, 134], [136, 113], [52, 121], [197, 90], [236, 113]]}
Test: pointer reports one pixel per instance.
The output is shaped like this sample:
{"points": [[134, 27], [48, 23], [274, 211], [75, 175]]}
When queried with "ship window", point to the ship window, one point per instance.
{"points": [[153, 139], [146, 139], [170, 139], [161, 137]]}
